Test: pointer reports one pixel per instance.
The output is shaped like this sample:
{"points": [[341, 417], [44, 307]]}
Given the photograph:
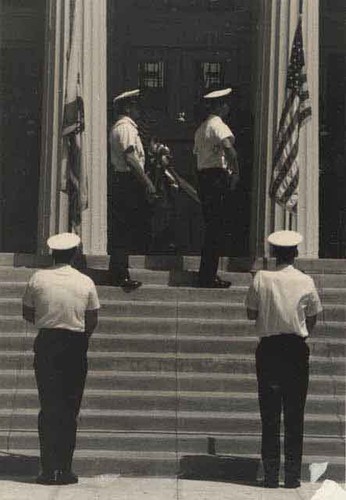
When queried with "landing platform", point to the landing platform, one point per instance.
{"points": [[181, 262]]}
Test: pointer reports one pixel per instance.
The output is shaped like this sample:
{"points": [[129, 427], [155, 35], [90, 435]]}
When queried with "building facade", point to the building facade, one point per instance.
{"points": [[175, 50]]}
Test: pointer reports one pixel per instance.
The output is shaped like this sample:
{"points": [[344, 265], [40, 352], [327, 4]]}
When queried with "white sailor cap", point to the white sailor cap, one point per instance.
{"points": [[285, 238], [63, 241], [126, 95], [216, 94]]}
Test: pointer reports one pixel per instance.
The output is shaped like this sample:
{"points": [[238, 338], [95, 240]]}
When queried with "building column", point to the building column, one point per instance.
{"points": [[277, 25], [94, 68], [48, 209], [53, 206]]}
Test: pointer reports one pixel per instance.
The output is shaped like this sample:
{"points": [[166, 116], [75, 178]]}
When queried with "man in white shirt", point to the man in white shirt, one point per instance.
{"points": [[218, 174], [63, 304], [285, 305], [131, 193]]}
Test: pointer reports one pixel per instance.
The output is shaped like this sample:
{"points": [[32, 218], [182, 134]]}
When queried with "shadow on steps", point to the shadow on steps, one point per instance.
{"points": [[21, 468], [241, 470]]}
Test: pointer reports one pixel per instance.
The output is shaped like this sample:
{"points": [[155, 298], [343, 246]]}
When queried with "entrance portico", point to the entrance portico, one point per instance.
{"points": [[276, 26]]}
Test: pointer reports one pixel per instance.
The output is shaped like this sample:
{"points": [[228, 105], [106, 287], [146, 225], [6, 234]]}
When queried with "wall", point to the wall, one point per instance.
{"points": [[21, 66]]}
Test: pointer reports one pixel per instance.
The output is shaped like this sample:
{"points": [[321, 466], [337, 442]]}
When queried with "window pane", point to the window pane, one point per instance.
{"points": [[212, 74], [151, 74]]}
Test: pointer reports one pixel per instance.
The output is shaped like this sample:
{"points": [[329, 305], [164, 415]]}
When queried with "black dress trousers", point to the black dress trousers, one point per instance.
{"points": [[213, 191], [60, 363], [282, 365], [130, 226]]}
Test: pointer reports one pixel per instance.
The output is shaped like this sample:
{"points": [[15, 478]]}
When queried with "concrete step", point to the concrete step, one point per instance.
{"points": [[166, 309], [196, 466], [177, 277], [194, 344], [175, 343], [170, 442], [22, 274], [185, 362], [235, 294], [190, 326], [147, 292], [321, 424], [169, 381], [325, 266], [172, 400], [169, 326]]}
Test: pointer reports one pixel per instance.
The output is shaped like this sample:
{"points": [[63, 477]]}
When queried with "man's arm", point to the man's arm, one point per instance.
{"points": [[310, 322], [232, 160], [251, 300], [91, 320], [251, 314], [136, 167], [231, 154], [28, 314]]}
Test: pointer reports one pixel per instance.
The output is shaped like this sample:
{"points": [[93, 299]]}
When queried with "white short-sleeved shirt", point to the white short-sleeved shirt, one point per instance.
{"points": [[208, 143], [60, 296], [283, 299], [123, 135]]}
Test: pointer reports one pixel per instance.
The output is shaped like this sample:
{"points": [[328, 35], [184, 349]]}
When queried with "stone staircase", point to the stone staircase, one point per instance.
{"points": [[171, 378]]}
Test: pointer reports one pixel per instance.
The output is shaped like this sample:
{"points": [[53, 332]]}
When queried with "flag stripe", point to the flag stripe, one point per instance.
{"points": [[74, 122], [296, 109], [286, 137], [285, 167]]}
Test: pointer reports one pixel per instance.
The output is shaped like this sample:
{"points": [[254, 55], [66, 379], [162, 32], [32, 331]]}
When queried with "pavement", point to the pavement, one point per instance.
{"points": [[111, 487]]}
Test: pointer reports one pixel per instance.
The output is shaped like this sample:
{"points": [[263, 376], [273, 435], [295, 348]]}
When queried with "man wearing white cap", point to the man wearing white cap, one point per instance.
{"points": [[131, 191], [218, 174], [285, 305], [63, 304]]}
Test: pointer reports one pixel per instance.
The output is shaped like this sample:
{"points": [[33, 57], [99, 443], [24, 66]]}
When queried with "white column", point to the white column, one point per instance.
{"points": [[308, 207], [53, 206], [48, 210], [94, 78], [277, 25]]}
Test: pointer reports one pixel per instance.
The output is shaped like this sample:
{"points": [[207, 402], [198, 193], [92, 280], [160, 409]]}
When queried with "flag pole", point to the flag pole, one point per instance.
{"points": [[300, 7]]}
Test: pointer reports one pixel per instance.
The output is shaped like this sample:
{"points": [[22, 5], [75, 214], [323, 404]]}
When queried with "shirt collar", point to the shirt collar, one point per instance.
{"points": [[284, 267], [59, 266], [126, 118]]}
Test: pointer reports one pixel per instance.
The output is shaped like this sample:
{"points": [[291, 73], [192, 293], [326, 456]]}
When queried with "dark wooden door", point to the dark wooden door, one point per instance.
{"points": [[176, 51], [21, 63]]}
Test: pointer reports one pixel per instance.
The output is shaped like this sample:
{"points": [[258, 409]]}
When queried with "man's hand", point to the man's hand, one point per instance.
{"points": [[233, 181], [150, 190], [231, 159], [91, 319], [28, 314]]}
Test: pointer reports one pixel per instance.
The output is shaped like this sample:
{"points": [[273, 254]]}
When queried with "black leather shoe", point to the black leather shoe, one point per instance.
{"points": [[49, 478], [68, 478], [270, 483], [128, 285], [292, 483], [217, 283], [221, 283]]}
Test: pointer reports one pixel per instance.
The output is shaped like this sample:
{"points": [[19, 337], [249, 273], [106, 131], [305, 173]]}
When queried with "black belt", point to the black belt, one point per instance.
{"points": [[282, 337], [212, 171]]}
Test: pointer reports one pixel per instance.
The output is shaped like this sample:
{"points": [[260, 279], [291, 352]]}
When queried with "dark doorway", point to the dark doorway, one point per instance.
{"points": [[333, 130], [21, 63], [175, 50]]}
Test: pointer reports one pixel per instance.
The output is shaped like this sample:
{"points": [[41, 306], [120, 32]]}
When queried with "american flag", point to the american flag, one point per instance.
{"points": [[297, 109], [74, 173]]}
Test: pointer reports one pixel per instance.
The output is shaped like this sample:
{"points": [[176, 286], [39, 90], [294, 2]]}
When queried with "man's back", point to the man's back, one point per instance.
{"points": [[283, 299], [208, 143], [60, 296]]}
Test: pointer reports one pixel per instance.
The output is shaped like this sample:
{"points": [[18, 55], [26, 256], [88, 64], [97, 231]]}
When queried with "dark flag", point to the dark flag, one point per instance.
{"points": [[297, 109], [74, 168]]}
